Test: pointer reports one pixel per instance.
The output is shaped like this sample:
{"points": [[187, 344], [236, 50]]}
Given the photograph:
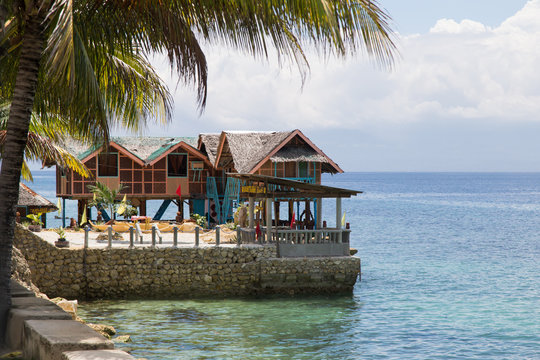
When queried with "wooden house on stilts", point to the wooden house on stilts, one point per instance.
{"points": [[288, 154], [149, 168], [178, 169]]}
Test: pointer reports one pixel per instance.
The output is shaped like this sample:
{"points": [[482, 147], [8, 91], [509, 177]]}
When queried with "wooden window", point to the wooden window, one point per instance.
{"points": [[148, 188], [302, 169], [125, 175], [159, 176], [160, 164], [290, 169], [159, 188], [148, 175], [91, 164], [108, 164], [125, 163], [177, 165]]}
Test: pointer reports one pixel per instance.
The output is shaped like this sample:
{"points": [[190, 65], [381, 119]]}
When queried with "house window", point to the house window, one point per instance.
{"points": [[177, 165], [302, 169], [108, 164]]}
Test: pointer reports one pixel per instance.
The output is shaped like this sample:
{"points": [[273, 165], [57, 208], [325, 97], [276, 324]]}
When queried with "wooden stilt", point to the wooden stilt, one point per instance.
{"points": [[181, 208], [319, 213], [276, 213], [268, 220], [142, 208], [291, 210], [190, 202]]}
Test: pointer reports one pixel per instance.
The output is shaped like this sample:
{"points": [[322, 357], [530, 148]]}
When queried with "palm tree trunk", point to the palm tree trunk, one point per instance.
{"points": [[13, 153]]}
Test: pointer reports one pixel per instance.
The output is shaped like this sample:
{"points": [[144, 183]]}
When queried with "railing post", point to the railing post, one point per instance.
{"points": [[131, 236], [86, 231], [158, 233], [139, 232], [238, 236], [338, 219], [319, 213], [175, 236], [109, 231], [153, 236], [218, 230], [269, 206], [197, 236], [251, 212]]}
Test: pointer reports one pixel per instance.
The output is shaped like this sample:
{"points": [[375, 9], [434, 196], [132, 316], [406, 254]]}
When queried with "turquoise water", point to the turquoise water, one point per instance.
{"points": [[450, 266]]}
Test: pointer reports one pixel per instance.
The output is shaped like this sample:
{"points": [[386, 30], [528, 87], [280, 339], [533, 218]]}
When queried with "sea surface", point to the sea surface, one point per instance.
{"points": [[450, 270]]}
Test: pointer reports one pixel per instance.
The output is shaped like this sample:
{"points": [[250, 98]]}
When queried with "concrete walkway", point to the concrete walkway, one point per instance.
{"points": [[76, 239]]}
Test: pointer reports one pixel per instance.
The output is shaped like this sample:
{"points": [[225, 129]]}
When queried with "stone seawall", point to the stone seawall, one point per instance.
{"points": [[179, 272]]}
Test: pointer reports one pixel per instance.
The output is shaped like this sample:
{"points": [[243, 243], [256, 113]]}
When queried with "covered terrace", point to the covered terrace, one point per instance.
{"points": [[311, 233]]}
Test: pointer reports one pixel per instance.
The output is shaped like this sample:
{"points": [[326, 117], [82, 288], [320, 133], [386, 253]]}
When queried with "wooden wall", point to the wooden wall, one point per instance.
{"points": [[289, 170], [147, 182]]}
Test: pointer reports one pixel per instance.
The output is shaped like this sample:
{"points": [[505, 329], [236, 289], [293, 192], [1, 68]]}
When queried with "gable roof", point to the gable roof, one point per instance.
{"points": [[250, 150], [144, 150], [28, 197], [208, 144]]}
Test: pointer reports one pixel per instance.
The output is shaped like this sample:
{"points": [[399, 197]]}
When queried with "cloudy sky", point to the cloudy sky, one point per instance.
{"points": [[464, 96]]}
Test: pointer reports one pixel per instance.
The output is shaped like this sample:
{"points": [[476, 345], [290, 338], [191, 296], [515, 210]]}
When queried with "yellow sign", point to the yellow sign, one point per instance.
{"points": [[40, 210], [253, 189]]}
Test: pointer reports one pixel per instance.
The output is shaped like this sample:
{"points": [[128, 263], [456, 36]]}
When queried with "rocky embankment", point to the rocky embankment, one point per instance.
{"points": [[20, 271]]}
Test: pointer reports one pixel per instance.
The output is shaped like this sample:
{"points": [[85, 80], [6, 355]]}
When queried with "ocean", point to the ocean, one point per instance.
{"points": [[450, 270]]}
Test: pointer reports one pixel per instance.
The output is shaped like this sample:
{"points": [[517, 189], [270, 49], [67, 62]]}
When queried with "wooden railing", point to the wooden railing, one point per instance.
{"points": [[308, 236], [293, 243]]}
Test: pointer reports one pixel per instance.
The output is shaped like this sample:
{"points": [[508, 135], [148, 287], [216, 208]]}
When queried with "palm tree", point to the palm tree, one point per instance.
{"points": [[56, 56]]}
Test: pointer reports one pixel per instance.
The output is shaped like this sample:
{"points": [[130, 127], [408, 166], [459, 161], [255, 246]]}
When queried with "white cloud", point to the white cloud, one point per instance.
{"points": [[457, 70], [450, 26], [457, 75]]}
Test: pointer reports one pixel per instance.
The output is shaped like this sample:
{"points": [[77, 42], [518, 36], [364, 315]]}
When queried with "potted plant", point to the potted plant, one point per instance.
{"points": [[61, 242], [130, 211], [36, 222], [199, 220]]}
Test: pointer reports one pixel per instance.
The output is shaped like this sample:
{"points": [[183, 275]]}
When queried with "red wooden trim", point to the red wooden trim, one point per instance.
{"points": [[285, 142], [190, 149], [222, 138], [127, 153], [120, 148]]}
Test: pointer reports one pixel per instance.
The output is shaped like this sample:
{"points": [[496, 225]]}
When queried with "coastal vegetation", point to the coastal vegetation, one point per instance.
{"points": [[107, 197], [43, 145], [85, 64]]}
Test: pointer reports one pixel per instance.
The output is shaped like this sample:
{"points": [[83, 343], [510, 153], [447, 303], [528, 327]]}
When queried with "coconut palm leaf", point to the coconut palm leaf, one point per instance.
{"points": [[43, 145]]}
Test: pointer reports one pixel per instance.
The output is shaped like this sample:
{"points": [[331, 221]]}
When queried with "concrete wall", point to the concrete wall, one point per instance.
{"points": [[42, 330], [170, 272]]}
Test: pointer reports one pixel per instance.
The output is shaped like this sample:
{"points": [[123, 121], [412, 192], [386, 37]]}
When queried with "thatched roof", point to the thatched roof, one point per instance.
{"points": [[249, 148], [247, 151], [28, 197], [144, 148], [297, 154], [150, 148], [208, 144]]}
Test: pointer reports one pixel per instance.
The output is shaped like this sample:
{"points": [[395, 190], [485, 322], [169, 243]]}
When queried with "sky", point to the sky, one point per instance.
{"points": [[464, 94]]}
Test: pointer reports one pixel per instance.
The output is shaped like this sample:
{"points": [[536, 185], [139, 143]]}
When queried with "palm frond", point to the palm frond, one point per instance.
{"points": [[40, 148], [26, 173]]}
